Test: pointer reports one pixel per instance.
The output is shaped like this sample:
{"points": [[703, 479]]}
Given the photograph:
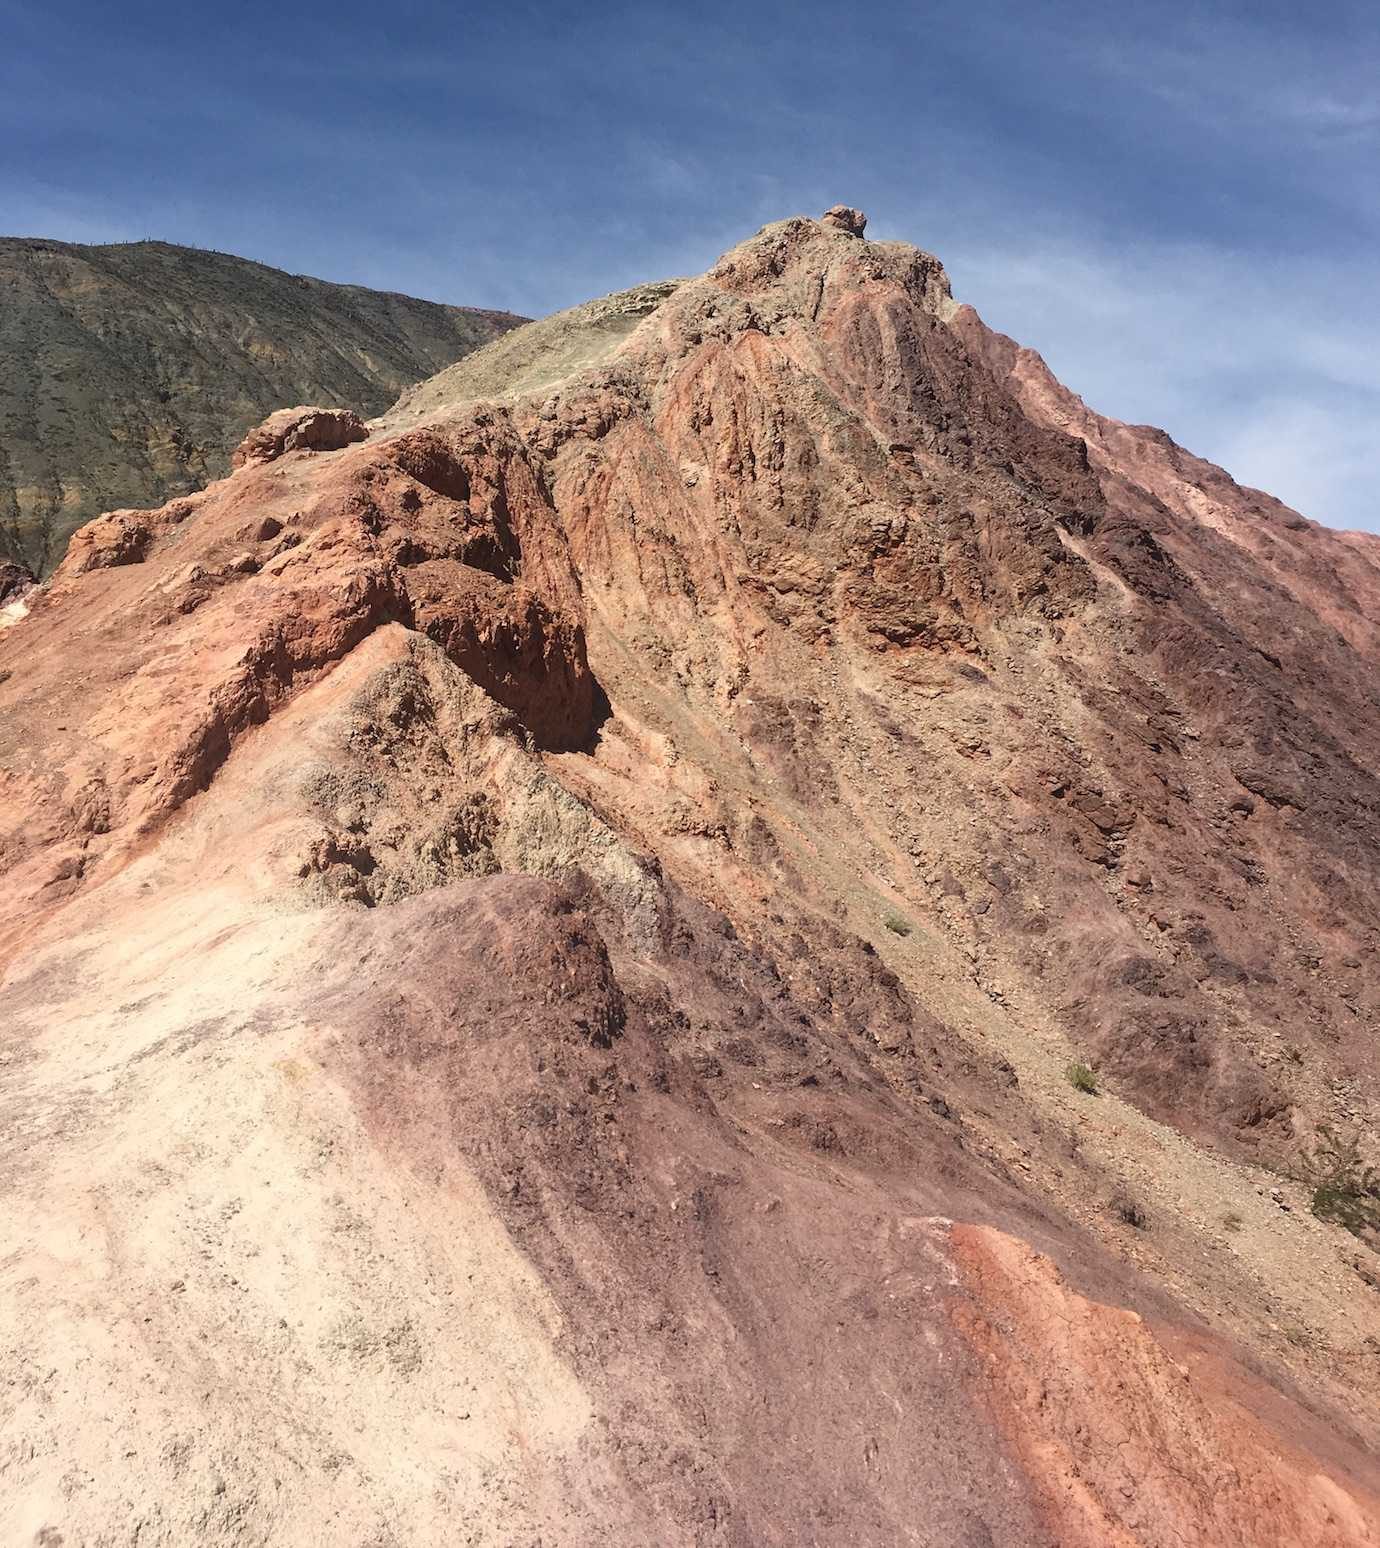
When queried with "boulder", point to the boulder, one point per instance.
{"points": [[842, 217], [299, 429]]}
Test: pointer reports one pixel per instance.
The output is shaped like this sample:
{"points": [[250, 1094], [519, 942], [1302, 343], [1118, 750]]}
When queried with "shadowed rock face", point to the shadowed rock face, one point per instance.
{"points": [[15, 580], [543, 944]]}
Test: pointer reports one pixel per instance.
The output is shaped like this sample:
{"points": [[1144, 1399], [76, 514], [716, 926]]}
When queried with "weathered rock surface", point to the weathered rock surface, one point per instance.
{"points": [[842, 217], [299, 429], [542, 948]]}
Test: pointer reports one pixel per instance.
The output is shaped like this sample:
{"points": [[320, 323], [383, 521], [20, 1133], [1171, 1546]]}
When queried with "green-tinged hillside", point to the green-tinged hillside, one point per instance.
{"points": [[131, 371]]}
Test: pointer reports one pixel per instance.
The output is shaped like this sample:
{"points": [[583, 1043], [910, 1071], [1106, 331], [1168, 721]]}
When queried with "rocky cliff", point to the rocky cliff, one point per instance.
{"points": [[546, 946], [131, 370]]}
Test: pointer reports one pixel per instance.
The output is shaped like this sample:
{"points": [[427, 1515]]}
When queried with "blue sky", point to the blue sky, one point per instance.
{"points": [[1177, 204]]}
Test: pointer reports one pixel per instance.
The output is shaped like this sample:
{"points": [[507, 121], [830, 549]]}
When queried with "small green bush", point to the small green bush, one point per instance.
{"points": [[1081, 1078], [896, 924], [1345, 1191]]}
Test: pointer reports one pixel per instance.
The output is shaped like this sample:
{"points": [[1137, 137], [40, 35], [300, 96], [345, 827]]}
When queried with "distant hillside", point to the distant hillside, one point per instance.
{"points": [[129, 372]]}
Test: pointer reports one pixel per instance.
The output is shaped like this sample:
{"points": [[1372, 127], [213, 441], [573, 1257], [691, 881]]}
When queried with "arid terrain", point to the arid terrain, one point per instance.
{"points": [[739, 923], [131, 370]]}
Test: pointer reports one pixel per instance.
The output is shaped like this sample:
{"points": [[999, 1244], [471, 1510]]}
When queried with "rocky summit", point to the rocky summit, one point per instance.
{"points": [[738, 924]]}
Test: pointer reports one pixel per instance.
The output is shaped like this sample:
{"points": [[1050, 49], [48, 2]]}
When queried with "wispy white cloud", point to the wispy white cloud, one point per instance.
{"points": [[1227, 71], [1319, 460], [1270, 368]]}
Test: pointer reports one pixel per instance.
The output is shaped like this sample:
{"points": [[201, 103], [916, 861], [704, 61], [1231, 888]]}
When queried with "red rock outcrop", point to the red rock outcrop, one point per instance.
{"points": [[843, 217], [542, 949], [299, 429]]}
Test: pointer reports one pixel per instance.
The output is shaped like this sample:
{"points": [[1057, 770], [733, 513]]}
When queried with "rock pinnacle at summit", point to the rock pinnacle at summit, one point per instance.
{"points": [[843, 217]]}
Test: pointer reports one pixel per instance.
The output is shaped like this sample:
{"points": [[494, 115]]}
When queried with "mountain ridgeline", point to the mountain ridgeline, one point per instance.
{"points": [[132, 370], [740, 925]]}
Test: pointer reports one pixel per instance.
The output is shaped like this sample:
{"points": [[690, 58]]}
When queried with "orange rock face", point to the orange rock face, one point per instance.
{"points": [[543, 946], [1102, 1418]]}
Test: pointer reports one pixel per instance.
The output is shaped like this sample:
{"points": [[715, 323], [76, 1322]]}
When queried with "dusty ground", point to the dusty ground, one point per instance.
{"points": [[543, 949]]}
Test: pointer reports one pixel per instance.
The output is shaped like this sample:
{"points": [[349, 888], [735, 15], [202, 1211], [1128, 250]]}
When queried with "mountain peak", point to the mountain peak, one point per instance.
{"points": [[743, 872]]}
